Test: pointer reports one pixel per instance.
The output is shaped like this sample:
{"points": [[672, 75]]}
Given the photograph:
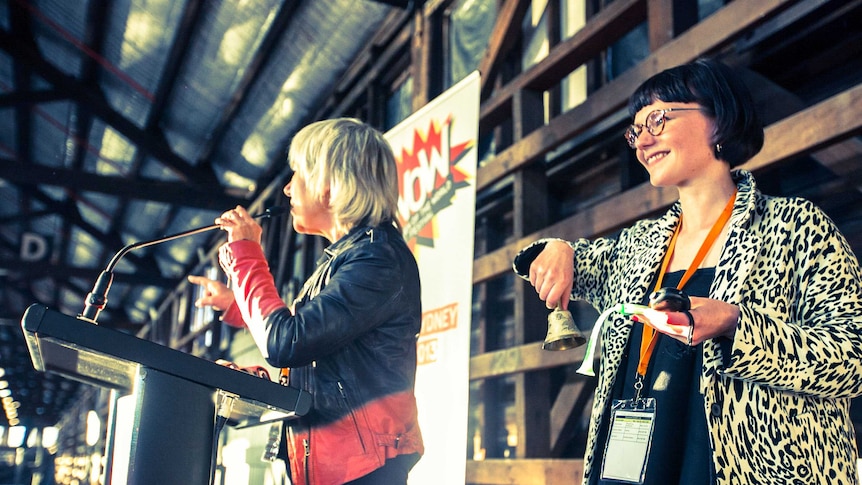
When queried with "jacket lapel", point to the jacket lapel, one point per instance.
{"points": [[735, 263]]}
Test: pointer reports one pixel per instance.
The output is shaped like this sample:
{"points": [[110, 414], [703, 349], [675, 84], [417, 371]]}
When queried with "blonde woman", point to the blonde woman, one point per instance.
{"points": [[349, 338]]}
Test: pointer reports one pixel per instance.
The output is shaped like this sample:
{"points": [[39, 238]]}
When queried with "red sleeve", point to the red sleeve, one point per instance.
{"points": [[233, 317], [252, 283]]}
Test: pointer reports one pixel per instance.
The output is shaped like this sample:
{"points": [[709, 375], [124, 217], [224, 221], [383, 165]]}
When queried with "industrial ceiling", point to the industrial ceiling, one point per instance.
{"points": [[123, 121]]}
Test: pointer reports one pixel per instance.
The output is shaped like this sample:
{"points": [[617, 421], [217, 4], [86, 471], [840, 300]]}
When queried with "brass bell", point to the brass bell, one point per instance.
{"points": [[563, 334]]}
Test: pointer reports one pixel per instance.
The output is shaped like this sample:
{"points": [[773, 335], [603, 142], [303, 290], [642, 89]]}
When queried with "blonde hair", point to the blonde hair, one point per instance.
{"points": [[356, 163]]}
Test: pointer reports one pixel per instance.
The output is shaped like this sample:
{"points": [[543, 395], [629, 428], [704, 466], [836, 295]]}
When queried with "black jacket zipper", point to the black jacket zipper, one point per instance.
{"points": [[352, 415]]}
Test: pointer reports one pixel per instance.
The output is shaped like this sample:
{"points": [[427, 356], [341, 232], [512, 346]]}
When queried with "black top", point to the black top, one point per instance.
{"points": [[680, 451]]}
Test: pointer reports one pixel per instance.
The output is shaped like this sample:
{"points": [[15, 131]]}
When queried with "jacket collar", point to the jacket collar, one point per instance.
{"points": [[353, 236]]}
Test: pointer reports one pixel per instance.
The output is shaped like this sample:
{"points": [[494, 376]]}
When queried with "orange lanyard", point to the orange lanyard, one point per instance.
{"points": [[648, 339]]}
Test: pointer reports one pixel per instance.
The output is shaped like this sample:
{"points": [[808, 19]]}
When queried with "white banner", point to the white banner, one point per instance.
{"points": [[436, 153]]}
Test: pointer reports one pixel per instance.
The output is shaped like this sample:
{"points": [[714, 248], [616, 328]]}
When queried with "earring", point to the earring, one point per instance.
{"points": [[718, 148]]}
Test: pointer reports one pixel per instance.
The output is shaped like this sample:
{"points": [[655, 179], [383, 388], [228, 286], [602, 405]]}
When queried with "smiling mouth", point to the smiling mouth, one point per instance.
{"points": [[655, 157]]}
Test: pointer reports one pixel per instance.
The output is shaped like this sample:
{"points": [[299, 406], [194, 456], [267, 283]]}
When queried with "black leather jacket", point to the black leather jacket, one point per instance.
{"points": [[351, 342]]}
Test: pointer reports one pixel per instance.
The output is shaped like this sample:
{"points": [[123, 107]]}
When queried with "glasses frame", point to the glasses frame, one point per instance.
{"points": [[653, 123]]}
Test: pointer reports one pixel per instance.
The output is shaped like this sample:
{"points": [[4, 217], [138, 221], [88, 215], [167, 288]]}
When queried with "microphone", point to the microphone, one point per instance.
{"points": [[98, 298]]}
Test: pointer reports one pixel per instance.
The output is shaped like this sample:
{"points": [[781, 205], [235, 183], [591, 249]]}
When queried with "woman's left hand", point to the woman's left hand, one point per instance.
{"points": [[216, 294], [712, 318], [239, 225]]}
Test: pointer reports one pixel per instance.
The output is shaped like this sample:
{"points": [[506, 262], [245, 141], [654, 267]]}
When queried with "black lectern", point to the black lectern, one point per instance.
{"points": [[176, 395]]}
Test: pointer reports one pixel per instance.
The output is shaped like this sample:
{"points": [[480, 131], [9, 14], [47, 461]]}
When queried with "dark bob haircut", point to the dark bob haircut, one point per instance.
{"points": [[721, 95]]}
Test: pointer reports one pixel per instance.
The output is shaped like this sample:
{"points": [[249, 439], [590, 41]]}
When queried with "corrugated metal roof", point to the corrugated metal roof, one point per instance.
{"points": [[122, 121]]}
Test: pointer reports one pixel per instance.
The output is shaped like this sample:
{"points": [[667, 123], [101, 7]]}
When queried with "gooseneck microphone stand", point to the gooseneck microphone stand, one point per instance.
{"points": [[98, 298]]}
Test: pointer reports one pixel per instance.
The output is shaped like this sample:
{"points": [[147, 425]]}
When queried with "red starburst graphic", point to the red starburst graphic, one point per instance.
{"points": [[428, 179]]}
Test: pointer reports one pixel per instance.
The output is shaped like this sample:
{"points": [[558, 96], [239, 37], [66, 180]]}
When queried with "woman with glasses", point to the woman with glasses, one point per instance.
{"points": [[747, 377]]}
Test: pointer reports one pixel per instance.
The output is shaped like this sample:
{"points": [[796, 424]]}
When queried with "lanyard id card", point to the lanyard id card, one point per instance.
{"points": [[629, 440]]}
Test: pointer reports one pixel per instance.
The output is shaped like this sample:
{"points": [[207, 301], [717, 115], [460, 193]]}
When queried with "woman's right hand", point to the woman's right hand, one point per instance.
{"points": [[216, 293], [552, 274], [239, 225]]}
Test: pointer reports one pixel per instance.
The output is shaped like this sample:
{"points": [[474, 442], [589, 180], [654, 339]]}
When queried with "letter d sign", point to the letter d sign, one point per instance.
{"points": [[34, 247]]}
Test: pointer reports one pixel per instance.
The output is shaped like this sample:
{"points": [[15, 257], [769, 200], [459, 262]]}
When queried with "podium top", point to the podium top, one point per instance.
{"points": [[104, 357]]}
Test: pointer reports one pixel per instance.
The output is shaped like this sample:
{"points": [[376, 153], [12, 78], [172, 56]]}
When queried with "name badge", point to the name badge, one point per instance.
{"points": [[629, 440]]}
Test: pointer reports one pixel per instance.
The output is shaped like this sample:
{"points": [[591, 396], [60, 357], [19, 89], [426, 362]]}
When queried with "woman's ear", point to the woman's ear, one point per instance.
{"points": [[326, 196]]}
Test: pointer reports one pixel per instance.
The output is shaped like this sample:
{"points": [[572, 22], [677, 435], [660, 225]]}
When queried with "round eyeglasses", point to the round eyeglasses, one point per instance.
{"points": [[654, 124]]}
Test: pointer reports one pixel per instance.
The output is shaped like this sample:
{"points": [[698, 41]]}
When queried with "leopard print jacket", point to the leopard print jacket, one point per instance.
{"points": [[778, 407]]}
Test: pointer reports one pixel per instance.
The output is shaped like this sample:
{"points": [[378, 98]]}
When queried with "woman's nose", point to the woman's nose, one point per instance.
{"points": [[286, 189], [645, 138]]}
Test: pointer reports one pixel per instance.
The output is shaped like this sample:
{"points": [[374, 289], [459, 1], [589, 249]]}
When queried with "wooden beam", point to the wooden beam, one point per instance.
{"points": [[153, 142], [660, 18], [503, 37], [534, 472], [521, 358], [611, 23], [134, 188], [384, 60], [843, 160], [420, 60], [774, 101], [807, 131], [532, 389], [572, 398], [380, 56], [29, 271]]}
